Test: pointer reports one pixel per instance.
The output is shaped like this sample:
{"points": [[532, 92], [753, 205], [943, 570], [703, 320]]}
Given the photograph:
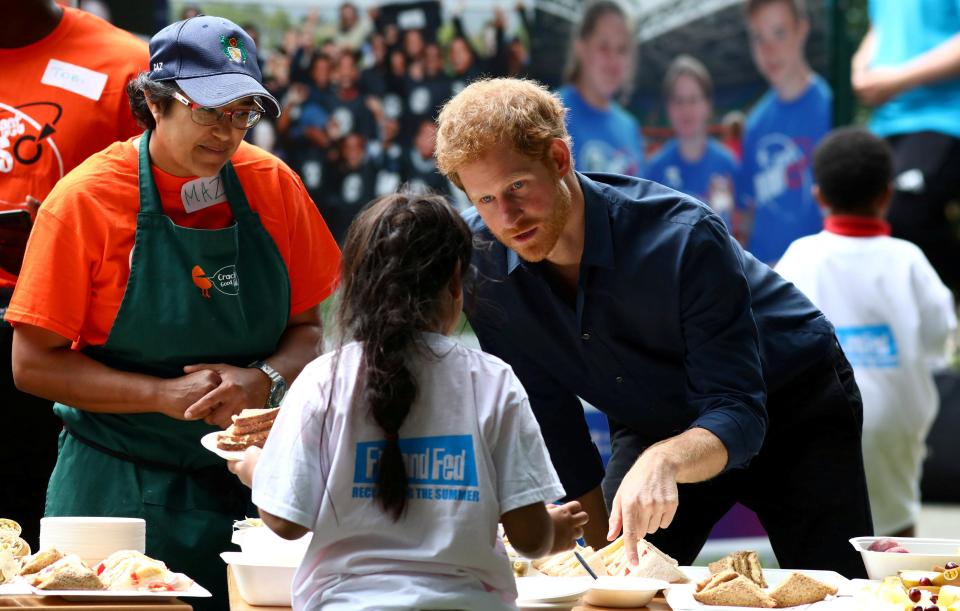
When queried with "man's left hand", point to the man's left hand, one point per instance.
{"points": [[646, 501]]}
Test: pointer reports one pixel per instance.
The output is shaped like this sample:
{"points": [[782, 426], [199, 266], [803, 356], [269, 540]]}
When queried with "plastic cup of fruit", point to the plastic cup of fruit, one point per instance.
{"points": [[921, 554]]}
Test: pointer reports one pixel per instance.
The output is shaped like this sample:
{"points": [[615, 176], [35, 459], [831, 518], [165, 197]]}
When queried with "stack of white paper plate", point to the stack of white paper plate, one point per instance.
{"points": [[92, 538]]}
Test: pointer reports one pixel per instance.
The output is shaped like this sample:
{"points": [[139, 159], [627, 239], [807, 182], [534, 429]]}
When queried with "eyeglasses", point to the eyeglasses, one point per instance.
{"points": [[202, 115]]}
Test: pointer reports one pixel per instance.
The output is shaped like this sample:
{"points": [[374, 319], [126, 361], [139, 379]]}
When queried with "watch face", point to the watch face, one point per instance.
{"points": [[277, 390]]}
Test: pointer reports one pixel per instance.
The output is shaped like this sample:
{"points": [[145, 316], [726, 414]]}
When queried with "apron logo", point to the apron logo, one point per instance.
{"points": [[234, 50], [225, 280], [203, 283]]}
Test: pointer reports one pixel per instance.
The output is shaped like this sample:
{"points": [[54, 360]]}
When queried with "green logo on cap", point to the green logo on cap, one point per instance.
{"points": [[234, 50]]}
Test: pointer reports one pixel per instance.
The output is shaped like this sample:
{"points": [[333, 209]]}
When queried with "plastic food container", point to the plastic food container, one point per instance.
{"points": [[260, 582], [261, 542], [924, 555], [623, 592]]}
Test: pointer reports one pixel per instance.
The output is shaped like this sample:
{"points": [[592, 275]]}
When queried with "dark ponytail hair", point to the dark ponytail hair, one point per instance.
{"points": [[400, 253]]}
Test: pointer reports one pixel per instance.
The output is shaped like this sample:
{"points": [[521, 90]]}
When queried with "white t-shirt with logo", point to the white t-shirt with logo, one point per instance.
{"points": [[473, 452], [893, 316]]}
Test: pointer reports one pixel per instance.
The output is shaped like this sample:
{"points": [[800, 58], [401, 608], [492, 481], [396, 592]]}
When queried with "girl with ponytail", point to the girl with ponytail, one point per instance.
{"points": [[401, 449]]}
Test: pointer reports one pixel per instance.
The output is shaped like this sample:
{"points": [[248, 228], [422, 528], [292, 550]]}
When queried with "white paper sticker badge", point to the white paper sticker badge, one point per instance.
{"points": [[202, 193], [82, 81]]}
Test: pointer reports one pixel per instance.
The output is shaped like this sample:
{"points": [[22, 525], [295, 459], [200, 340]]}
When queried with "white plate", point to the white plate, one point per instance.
{"points": [[680, 598], [775, 576], [551, 589], [623, 592], [209, 441], [195, 591]]}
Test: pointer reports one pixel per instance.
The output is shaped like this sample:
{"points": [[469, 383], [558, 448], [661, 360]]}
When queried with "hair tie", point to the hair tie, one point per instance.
{"points": [[392, 436]]}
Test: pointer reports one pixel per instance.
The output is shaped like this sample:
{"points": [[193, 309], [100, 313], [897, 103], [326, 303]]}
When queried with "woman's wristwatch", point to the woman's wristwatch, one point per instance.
{"points": [[278, 386]]}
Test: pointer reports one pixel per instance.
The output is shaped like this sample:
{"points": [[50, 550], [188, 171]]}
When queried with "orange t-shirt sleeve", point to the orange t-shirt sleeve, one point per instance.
{"points": [[54, 283], [314, 261]]}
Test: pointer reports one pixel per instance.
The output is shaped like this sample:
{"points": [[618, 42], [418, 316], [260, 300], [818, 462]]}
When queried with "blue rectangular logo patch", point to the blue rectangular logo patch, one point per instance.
{"points": [[435, 461], [869, 346]]}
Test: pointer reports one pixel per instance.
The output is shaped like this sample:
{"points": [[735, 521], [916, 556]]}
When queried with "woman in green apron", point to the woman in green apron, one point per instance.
{"points": [[209, 322]]}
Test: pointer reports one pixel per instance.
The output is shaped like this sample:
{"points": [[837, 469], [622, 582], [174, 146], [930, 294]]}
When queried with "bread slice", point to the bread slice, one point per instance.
{"points": [[800, 589], [253, 420], [40, 560], [68, 573], [745, 563], [716, 579], [734, 590], [242, 442], [655, 564], [596, 562]]}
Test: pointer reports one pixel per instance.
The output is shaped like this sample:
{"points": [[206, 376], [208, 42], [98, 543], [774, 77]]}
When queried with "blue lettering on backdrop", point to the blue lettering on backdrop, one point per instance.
{"points": [[869, 346]]}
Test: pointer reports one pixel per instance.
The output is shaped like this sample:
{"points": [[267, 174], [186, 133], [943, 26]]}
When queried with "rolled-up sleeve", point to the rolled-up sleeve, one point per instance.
{"points": [[724, 372]]}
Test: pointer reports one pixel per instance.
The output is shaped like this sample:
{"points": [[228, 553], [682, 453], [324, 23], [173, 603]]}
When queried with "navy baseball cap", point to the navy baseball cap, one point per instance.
{"points": [[211, 59]]}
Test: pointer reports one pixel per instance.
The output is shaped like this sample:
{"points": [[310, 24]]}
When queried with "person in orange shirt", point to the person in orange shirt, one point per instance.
{"points": [[171, 281], [62, 98]]}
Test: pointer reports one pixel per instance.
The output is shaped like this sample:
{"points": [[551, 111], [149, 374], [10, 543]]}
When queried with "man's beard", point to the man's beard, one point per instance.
{"points": [[550, 229]]}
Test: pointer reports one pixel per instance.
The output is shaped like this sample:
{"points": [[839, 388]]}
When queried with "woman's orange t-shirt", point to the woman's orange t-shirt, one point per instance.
{"points": [[77, 262]]}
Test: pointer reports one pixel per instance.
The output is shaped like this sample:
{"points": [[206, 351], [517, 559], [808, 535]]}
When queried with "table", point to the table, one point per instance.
{"points": [[238, 604], [55, 603]]}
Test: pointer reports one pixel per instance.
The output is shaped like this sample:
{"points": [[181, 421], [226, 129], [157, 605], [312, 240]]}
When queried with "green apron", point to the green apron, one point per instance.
{"points": [[193, 296]]}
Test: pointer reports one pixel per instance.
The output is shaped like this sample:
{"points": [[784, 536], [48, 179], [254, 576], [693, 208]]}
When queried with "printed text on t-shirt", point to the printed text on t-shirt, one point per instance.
{"points": [[438, 468]]}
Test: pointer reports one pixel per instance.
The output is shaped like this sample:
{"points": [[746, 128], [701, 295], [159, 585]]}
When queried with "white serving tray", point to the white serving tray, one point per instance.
{"points": [[15, 588], [195, 591]]}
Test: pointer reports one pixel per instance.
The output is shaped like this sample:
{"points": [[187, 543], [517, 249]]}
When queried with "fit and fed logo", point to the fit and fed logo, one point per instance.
{"points": [[442, 468]]}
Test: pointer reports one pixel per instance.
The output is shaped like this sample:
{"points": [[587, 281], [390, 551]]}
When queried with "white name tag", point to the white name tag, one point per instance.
{"points": [[77, 79], [202, 193]]}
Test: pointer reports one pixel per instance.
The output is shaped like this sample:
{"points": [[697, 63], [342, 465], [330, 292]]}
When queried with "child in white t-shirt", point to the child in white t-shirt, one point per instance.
{"points": [[892, 314], [402, 449]]}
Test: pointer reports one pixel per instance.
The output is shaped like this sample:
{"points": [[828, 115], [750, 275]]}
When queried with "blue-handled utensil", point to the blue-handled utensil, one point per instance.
{"points": [[584, 564]]}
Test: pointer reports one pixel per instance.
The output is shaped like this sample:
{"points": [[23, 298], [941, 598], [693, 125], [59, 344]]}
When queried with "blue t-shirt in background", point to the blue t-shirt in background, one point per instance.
{"points": [[711, 179], [776, 176], [902, 31], [603, 140]]}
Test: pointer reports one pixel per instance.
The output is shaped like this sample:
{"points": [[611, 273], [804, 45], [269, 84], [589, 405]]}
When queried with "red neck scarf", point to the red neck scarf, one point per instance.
{"points": [[856, 226]]}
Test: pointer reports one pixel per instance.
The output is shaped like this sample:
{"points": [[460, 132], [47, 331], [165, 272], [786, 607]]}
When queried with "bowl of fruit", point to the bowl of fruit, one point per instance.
{"points": [[884, 556]]}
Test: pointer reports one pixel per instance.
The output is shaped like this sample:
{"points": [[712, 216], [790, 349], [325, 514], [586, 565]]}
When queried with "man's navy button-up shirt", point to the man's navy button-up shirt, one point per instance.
{"points": [[673, 326]]}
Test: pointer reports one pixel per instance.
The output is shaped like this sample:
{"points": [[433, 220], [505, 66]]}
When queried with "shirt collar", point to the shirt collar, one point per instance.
{"points": [[597, 237], [856, 226]]}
